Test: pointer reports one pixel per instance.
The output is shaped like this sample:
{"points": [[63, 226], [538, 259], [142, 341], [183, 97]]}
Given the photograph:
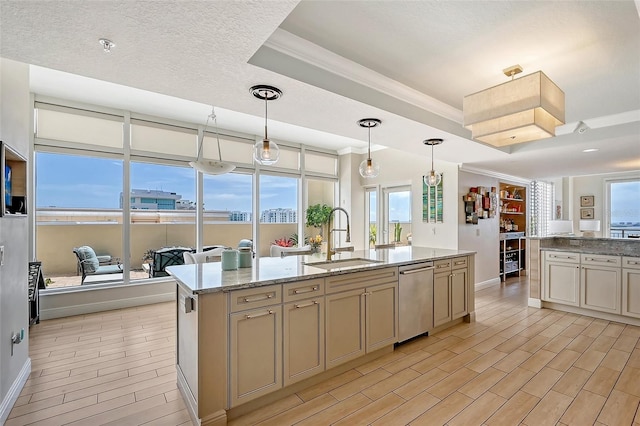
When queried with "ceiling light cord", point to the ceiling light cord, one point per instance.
{"points": [[266, 112], [206, 125]]}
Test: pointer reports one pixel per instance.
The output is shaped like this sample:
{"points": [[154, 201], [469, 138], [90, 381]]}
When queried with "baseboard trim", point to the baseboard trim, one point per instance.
{"points": [[108, 305], [14, 391], [487, 283], [534, 303]]}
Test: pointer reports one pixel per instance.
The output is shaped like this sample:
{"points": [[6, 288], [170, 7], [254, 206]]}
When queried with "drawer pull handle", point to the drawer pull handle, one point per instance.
{"points": [[415, 271], [314, 288], [366, 293], [595, 259], [257, 299], [462, 262], [443, 266], [633, 263], [307, 305], [269, 312]]}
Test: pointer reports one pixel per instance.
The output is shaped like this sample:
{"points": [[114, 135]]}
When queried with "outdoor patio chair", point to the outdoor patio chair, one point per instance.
{"points": [[209, 255], [279, 251], [89, 263], [166, 257]]}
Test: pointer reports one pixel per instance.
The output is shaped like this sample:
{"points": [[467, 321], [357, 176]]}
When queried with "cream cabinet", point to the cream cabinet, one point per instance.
{"points": [[450, 283], [255, 343], [600, 283], [631, 286], [303, 330], [361, 314], [562, 278]]}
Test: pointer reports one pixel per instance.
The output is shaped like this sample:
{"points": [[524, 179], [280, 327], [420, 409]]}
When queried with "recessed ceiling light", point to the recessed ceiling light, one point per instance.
{"points": [[590, 150], [107, 44]]}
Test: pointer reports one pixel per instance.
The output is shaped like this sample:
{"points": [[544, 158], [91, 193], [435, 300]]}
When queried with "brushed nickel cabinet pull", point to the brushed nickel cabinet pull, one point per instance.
{"points": [[307, 305], [314, 288], [269, 312], [257, 299]]}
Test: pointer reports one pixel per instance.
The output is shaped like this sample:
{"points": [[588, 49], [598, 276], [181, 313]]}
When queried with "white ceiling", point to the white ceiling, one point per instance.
{"points": [[408, 63]]}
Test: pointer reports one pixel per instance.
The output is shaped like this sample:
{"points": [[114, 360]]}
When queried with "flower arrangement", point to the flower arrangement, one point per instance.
{"points": [[315, 243], [284, 242]]}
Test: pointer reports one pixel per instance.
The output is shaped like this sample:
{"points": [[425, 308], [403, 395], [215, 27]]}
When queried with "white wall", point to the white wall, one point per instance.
{"points": [[591, 185], [482, 238], [14, 315], [400, 168]]}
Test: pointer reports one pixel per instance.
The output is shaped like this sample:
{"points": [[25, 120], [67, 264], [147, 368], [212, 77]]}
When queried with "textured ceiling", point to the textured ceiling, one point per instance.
{"points": [[414, 61]]}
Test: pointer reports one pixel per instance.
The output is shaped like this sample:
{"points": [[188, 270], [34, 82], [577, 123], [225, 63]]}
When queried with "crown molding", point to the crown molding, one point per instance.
{"points": [[303, 50]]}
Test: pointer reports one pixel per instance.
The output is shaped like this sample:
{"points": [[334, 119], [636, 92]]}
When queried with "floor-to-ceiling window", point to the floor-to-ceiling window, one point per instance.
{"points": [[77, 204], [623, 216], [371, 224], [397, 214], [137, 168]]}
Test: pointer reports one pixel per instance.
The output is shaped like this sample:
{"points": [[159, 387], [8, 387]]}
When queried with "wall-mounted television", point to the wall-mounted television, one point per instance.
{"points": [[7, 186]]}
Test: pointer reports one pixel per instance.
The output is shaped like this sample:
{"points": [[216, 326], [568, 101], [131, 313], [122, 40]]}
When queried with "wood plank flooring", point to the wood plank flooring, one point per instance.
{"points": [[514, 366]]}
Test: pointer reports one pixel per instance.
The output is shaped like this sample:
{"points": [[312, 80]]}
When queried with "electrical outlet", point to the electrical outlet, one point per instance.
{"points": [[1, 255]]}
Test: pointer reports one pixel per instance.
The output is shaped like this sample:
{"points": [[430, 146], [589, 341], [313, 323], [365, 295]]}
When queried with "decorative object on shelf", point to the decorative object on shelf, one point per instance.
{"points": [[369, 168], [589, 227], [211, 167], [520, 110], [586, 213], [560, 227], [315, 243], [587, 201], [432, 210], [433, 178], [266, 152]]}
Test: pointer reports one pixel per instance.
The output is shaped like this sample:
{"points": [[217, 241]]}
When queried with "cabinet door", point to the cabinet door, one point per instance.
{"points": [[345, 326], [562, 283], [600, 288], [303, 339], [441, 299], [382, 316], [255, 353], [631, 292], [458, 293]]}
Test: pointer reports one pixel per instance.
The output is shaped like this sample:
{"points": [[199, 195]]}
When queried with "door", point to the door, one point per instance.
{"points": [[600, 288], [441, 299], [303, 339], [631, 292], [255, 353], [562, 283], [382, 316], [397, 215], [345, 326], [458, 293]]}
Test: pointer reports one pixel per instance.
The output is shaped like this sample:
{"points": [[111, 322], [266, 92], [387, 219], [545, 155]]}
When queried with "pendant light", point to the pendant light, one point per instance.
{"points": [[211, 167], [368, 168], [266, 152], [433, 178]]}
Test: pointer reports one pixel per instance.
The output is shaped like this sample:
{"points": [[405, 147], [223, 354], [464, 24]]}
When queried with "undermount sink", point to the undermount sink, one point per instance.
{"points": [[342, 263]]}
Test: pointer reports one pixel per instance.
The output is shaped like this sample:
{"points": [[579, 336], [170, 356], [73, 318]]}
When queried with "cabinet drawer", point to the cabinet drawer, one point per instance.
{"points": [[255, 297], [459, 262], [631, 262], [357, 280], [600, 260], [562, 256], [303, 289], [442, 265]]}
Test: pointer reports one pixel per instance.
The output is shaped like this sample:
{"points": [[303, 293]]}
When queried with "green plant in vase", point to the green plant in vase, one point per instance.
{"points": [[318, 216], [397, 232], [373, 234]]}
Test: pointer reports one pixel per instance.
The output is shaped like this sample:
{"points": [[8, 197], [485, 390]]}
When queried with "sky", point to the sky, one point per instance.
{"points": [[89, 182]]}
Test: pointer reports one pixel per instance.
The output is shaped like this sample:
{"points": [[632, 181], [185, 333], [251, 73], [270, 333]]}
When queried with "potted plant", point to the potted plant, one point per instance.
{"points": [[397, 231], [318, 216]]}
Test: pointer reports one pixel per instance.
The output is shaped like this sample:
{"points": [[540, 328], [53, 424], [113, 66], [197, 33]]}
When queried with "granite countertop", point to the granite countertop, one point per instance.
{"points": [[209, 277], [602, 246]]}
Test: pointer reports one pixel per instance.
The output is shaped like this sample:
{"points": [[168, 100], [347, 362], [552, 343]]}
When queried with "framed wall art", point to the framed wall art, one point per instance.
{"points": [[586, 213], [587, 201]]}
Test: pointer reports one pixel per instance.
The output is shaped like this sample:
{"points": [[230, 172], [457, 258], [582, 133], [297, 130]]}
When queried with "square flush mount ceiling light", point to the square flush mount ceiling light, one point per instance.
{"points": [[521, 110]]}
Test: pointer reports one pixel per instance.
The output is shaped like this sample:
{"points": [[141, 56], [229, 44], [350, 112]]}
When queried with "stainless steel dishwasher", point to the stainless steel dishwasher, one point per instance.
{"points": [[415, 297]]}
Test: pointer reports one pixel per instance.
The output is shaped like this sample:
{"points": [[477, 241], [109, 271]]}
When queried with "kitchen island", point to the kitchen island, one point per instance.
{"points": [[251, 336], [599, 277]]}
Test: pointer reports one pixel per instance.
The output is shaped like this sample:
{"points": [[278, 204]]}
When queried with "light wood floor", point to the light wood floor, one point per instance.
{"points": [[515, 365]]}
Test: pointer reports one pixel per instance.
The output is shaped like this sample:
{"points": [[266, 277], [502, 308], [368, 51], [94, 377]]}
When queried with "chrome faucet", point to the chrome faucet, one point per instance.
{"points": [[348, 239]]}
